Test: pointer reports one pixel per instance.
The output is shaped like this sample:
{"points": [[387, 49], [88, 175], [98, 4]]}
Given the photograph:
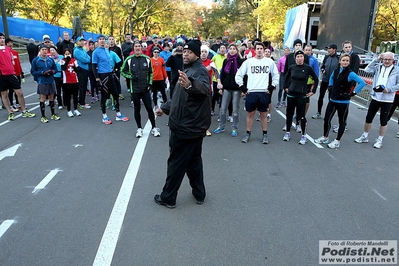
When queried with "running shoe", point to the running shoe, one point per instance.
{"points": [[208, 133], [212, 113], [258, 118], [70, 114], [11, 117], [334, 144], [298, 129], [336, 127], [246, 138], [107, 121], [84, 106], [397, 135], [316, 116], [76, 113], [265, 140], [219, 130], [28, 114], [158, 200], [321, 140], [139, 133], [93, 100], [278, 105], [156, 132], [303, 140], [283, 104], [55, 117], [362, 139], [269, 118], [121, 97], [287, 136], [234, 133], [60, 107], [122, 118], [44, 119], [14, 109], [113, 108], [377, 144], [230, 119]]}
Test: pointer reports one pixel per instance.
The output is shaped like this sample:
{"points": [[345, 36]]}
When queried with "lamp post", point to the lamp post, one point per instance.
{"points": [[4, 17], [256, 4]]}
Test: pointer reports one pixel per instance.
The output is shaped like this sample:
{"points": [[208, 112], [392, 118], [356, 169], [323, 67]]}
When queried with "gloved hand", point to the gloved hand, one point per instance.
{"points": [[379, 88], [244, 89], [271, 88]]}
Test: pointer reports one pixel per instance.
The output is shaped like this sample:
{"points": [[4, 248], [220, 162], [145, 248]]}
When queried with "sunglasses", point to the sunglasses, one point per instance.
{"points": [[156, 52], [46, 42]]}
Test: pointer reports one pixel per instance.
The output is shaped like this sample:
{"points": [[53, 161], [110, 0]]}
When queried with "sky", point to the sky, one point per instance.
{"points": [[207, 3]]}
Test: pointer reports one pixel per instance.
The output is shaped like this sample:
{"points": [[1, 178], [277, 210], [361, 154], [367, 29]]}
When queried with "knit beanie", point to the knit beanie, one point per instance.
{"points": [[205, 48], [194, 46], [299, 52], [297, 41]]}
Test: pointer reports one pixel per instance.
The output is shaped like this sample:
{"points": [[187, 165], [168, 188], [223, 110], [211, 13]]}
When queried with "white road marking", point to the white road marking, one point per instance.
{"points": [[9, 152], [378, 193], [77, 145], [46, 180], [110, 237], [311, 140], [4, 226]]}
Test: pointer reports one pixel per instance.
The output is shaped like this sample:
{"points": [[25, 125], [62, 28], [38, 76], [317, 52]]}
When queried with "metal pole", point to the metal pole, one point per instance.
{"points": [[4, 17], [257, 27]]}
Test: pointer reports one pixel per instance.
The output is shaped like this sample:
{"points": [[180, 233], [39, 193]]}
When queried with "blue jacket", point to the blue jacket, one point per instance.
{"points": [[82, 57], [39, 66]]}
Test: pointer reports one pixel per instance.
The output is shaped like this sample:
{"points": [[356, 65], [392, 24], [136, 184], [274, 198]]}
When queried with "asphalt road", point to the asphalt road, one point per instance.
{"points": [[78, 192]]}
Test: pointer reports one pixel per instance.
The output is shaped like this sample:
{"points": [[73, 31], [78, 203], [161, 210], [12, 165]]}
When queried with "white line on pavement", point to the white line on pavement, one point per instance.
{"points": [[311, 140], [4, 226], [110, 237], [378, 193], [46, 180]]}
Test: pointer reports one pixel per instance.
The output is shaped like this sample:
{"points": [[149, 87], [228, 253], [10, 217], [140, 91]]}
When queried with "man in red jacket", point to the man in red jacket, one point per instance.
{"points": [[18, 72], [8, 80]]}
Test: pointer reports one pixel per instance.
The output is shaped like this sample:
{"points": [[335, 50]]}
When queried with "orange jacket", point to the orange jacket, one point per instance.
{"points": [[158, 65]]}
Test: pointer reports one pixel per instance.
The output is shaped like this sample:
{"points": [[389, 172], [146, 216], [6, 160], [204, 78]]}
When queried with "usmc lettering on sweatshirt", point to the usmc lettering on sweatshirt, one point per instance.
{"points": [[260, 69]]}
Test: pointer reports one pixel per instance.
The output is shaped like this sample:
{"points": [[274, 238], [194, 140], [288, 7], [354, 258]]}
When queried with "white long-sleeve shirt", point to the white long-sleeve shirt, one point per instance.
{"points": [[257, 71]]}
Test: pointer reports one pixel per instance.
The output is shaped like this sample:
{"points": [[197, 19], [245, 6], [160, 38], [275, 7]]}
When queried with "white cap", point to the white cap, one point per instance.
{"points": [[46, 36], [205, 47]]}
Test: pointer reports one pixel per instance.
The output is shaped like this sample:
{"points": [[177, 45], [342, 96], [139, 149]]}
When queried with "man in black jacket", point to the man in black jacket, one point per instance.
{"points": [[188, 124], [66, 43]]}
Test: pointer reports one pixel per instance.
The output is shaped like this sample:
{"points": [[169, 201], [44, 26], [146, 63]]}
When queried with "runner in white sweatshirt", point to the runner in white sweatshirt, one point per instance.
{"points": [[262, 77]]}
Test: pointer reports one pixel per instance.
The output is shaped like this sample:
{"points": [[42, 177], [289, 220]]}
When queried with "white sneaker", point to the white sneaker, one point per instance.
{"points": [[287, 136], [336, 127], [155, 132], [334, 144], [70, 114], [298, 129], [76, 112], [139, 133], [321, 140], [362, 139], [230, 119], [60, 107], [303, 140], [377, 144], [269, 118]]}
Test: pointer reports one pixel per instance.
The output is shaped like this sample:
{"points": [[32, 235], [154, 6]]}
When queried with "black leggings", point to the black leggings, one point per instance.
{"points": [[60, 95], [215, 95], [322, 93], [373, 109], [298, 103], [145, 96], [158, 85], [395, 105], [71, 89], [108, 88], [343, 110]]}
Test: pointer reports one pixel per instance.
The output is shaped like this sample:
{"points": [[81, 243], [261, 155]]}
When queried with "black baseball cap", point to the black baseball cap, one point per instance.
{"points": [[332, 46]]}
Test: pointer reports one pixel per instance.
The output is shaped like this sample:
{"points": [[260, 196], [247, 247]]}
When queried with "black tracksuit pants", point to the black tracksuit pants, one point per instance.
{"points": [[185, 158]]}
